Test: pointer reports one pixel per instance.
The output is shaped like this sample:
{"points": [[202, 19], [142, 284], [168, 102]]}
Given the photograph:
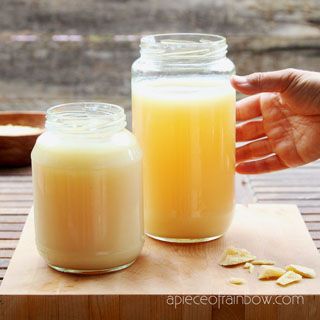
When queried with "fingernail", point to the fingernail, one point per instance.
{"points": [[241, 80]]}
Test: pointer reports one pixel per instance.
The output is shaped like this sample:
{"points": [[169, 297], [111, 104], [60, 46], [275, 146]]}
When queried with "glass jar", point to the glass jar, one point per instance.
{"points": [[86, 171], [184, 118]]}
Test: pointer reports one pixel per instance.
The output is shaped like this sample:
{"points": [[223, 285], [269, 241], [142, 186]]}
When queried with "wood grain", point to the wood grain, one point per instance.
{"points": [[249, 188], [298, 186], [12, 219], [13, 211], [269, 231], [101, 307], [8, 244], [6, 253]]}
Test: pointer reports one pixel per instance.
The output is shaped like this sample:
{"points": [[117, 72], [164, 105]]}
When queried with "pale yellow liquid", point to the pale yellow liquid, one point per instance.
{"points": [[87, 202], [187, 133]]}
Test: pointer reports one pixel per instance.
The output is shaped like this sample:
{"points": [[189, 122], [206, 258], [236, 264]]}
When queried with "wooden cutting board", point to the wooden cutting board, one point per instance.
{"points": [[31, 290], [275, 232]]}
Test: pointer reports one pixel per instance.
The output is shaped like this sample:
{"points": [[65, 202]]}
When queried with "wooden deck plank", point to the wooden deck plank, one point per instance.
{"points": [[12, 219], [284, 183], [289, 175], [8, 244], [24, 171], [12, 178], [244, 194], [300, 203], [13, 211], [288, 196], [313, 226], [310, 210], [6, 253], [16, 204], [311, 218], [2, 272], [286, 189], [315, 234], [11, 226], [317, 243], [4, 263], [15, 198], [13, 184], [16, 191], [10, 235]]}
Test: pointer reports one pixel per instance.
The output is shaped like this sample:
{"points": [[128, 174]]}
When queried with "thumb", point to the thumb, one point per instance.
{"points": [[273, 81]]}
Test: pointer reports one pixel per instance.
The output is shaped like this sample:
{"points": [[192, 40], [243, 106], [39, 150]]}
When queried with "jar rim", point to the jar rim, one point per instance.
{"points": [[85, 118], [207, 39], [182, 47]]}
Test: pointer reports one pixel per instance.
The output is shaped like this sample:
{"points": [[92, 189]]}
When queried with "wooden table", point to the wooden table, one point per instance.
{"points": [[299, 186], [164, 273]]}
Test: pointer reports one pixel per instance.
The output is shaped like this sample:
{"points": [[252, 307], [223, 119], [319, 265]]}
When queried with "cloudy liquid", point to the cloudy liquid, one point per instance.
{"points": [[87, 202], [186, 129]]}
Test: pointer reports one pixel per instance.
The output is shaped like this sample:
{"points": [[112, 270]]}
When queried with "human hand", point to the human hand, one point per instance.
{"points": [[288, 104]]}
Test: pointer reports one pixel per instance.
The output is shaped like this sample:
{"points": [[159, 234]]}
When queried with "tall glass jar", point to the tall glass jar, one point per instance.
{"points": [[184, 117], [87, 189]]}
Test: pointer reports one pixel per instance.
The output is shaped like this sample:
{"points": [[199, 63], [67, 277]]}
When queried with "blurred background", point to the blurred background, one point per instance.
{"points": [[64, 50]]}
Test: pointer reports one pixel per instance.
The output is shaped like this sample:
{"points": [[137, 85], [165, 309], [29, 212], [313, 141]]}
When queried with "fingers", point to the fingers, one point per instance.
{"points": [[251, 130], [248, 108], [253, 150], [269, 164], [274, 81]]}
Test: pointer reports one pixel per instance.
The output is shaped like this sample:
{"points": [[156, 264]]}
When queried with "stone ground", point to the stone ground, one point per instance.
{"points": [[64, 50]]}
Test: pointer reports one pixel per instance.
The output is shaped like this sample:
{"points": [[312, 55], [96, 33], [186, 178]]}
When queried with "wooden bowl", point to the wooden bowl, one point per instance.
{"points": [[15, 150]]}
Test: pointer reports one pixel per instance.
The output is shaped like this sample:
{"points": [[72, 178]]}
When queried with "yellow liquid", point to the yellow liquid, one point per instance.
{"points": [[87, 202], [187, 133]]}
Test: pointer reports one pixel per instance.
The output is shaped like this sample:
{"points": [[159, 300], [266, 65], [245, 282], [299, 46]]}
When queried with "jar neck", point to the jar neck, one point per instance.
{"points": [[86, 119], [183, 48]]}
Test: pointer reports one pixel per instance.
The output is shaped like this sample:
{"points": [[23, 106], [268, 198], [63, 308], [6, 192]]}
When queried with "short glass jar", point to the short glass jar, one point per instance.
{"points": [[86, 171], [184, 117]]}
